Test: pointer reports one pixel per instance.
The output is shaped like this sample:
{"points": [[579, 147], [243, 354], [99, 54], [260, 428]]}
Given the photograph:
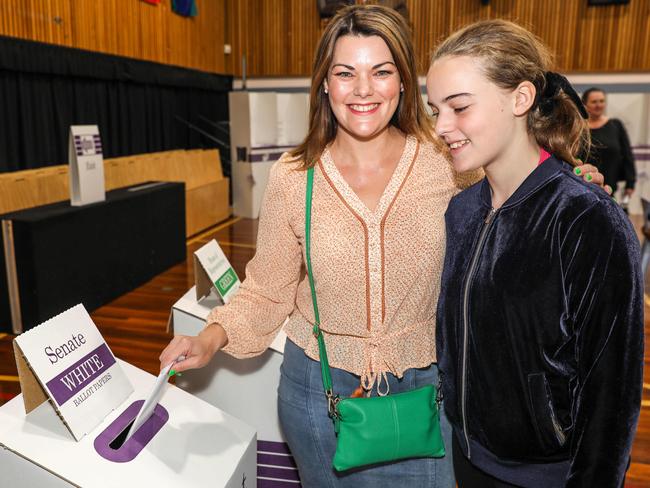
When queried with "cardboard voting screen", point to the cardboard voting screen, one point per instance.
{"points": [[213, 270], [86, 165], [66, 360]]}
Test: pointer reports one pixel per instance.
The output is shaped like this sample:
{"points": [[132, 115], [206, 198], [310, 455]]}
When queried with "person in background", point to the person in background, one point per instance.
{"points": [[610, 145], [540, 316]]}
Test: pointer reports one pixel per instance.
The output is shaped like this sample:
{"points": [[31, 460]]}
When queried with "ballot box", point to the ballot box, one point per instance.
{"points": [[68, 426]]}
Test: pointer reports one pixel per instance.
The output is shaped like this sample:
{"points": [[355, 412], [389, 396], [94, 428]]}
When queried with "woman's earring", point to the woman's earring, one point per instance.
{"points": [[326, 92]]}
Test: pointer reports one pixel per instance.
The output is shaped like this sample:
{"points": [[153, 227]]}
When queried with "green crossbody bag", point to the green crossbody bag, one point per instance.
{"points": [[377, 429]]}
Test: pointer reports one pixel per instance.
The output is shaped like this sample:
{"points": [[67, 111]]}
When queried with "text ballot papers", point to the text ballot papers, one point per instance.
{"points": [[66, 360]]}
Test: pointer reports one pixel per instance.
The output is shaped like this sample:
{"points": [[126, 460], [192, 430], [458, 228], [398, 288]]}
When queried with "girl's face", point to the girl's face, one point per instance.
{"points": [[364, 85], [596, 104], [471, 114]]}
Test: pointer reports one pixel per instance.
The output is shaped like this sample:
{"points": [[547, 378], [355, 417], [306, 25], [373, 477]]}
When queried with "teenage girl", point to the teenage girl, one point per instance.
{"points": [[540, 317]]}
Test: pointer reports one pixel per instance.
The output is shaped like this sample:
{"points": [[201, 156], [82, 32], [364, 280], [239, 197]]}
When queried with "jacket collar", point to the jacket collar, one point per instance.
{"points": [[545, 172]]}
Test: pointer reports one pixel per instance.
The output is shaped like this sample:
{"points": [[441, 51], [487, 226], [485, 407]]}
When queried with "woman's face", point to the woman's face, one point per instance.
{"points": [[363, 84], [471, 114], [596, 103]]}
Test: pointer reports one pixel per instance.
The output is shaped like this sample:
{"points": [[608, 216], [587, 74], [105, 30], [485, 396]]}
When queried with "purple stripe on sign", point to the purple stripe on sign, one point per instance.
{"points": [[80, 153], [278, 473], [271, 446], [262, 483], [276, 460], [78, 376], [642, 157]]}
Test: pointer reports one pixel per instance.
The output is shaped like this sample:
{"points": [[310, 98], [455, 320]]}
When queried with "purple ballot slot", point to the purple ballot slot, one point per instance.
{"points": [[110, 443]]}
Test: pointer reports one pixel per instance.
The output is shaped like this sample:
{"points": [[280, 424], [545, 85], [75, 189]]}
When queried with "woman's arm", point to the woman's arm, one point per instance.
{"points": [[247, 325]]}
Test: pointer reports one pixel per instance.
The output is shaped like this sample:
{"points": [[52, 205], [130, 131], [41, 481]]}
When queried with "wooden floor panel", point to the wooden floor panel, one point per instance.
{"points": [[135, 327]]}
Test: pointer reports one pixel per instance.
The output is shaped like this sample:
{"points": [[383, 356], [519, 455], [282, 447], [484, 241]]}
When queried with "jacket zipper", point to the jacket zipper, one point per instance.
{"points": [[470, 275]]}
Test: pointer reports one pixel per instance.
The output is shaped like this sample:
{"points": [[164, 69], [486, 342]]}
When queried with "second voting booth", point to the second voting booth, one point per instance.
{"points": [[245, 388]]}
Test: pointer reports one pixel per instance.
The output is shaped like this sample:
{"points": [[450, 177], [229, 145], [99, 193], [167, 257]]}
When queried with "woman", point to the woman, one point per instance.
{"points": [[380, 191], [381, 187], [610, 144], [540, 318]]}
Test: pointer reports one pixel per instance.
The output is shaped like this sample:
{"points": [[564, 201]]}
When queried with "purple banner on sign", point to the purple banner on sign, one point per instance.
{"points": [[79, 377]]}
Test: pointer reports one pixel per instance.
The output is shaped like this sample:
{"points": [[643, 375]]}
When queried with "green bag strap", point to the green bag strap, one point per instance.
{"points": [[322, 351]]}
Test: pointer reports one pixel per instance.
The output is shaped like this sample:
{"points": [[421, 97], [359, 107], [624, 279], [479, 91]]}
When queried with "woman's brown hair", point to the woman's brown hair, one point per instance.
{"points": [[509, 55], [363, 20]]}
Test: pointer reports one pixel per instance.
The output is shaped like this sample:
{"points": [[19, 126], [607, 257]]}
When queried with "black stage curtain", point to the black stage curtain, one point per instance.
{"points": [[138, 105]]}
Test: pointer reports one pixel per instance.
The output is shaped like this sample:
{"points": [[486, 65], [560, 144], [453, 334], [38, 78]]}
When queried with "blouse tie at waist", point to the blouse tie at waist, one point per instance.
{"points": [[379, 358]]}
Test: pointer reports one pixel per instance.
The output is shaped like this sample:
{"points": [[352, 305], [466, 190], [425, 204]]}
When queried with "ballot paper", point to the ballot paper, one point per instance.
{"points": [[150, 403]]}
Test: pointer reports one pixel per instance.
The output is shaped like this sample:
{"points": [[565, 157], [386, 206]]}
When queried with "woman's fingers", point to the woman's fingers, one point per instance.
{"points": [[590, 174], [178, 346]]}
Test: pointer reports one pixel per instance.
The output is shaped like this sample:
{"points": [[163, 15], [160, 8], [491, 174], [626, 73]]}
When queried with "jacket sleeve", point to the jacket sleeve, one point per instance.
{"points": [[267, 296], [604, 297], [629, 169]]}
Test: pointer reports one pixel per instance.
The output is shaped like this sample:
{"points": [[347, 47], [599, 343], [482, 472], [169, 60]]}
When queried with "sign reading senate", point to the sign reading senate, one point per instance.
{"points": [[77, 369]]}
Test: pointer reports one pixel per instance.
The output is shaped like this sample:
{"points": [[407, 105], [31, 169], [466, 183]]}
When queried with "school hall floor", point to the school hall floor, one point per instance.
{"points": [[135, 325]]}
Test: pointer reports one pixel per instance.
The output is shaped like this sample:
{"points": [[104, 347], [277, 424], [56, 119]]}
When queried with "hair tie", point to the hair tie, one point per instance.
{"points": [[554, 83]]}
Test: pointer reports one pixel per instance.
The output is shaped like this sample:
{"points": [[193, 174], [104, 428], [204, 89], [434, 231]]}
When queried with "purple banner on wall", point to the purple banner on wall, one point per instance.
{"points": [[79, 377]]}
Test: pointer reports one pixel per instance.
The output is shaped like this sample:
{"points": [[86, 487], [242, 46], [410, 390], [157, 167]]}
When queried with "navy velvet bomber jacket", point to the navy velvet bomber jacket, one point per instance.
{"points": [[540, 331]]}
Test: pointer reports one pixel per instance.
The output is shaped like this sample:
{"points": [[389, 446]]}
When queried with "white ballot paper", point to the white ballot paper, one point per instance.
{"points": [[150, 403]]}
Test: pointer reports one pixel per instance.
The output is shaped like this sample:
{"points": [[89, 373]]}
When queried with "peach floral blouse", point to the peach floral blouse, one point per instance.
{"points": [[377, 273]]}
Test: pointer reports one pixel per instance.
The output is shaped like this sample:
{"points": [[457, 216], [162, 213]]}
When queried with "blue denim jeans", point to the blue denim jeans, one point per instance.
{"points": [[310, 432]]}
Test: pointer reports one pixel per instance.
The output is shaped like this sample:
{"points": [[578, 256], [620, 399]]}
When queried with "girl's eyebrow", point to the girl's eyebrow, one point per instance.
{"points": [[456, 95]]}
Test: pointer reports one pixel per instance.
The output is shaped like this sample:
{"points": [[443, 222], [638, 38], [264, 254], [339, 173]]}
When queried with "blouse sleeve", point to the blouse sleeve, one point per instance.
{"points": [[267, 296]]}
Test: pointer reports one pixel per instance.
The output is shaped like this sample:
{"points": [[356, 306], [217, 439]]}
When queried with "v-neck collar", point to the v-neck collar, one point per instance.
{"points": [[390, 192]]}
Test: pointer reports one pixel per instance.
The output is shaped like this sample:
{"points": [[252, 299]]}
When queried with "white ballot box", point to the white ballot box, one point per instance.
{"points": [[197, 445], [69, 425], [246, 388]]}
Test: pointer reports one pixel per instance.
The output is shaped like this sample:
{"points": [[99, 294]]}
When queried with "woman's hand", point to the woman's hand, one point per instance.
{"points": [[591, 175], [198, 350]]}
